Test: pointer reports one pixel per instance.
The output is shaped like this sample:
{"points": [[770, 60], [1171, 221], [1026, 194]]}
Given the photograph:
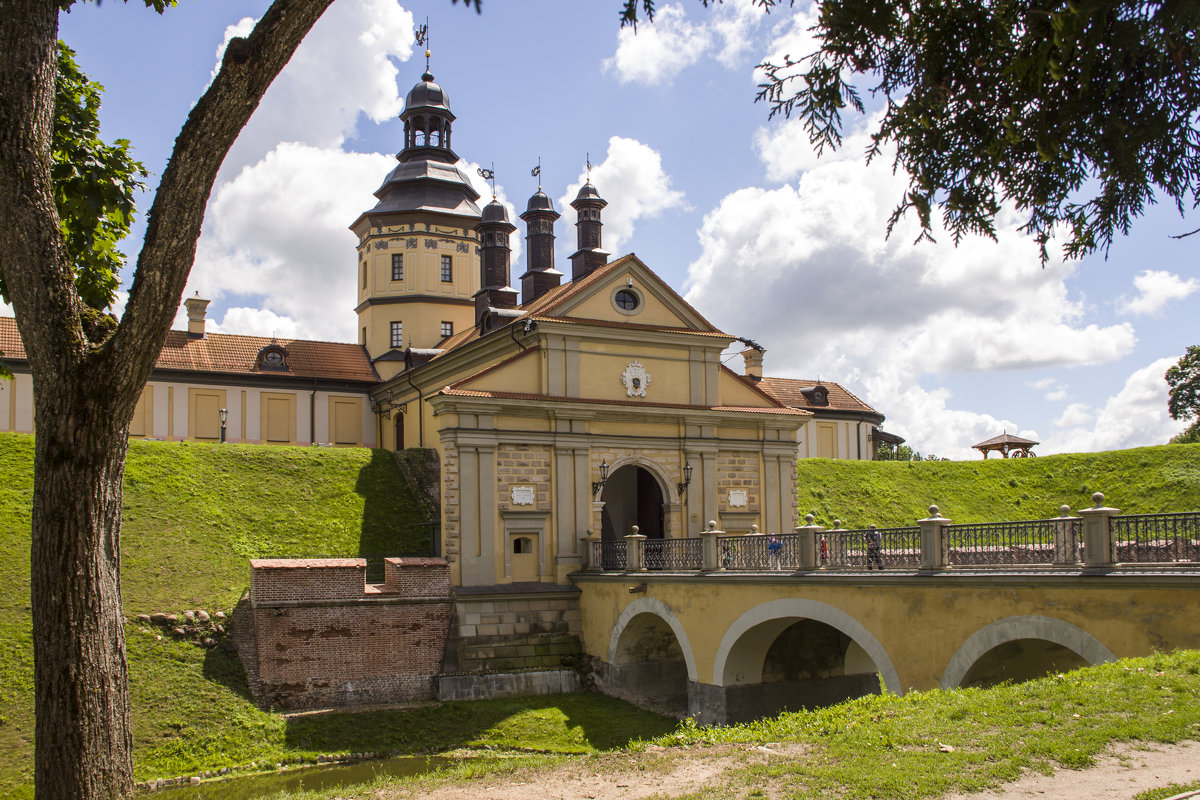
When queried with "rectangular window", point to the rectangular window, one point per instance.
{"points": [[447, 330], [397, 334], [447, 269], [397, 267]]}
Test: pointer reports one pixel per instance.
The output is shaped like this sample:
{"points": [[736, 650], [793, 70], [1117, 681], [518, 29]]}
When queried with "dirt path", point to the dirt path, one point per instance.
{"points": [[671, 773]]}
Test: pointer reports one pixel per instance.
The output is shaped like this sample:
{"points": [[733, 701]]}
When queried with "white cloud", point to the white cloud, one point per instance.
{"points": [[656, 52], [1052, 388], [806, 266], [631, 178], [256, 322], [1075, 415], [1133, 417], [277, 235], [1155, 289], [342, 70]]}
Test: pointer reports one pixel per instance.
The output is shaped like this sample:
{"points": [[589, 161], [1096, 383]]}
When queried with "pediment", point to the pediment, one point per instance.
{"points": [[628, 292]]}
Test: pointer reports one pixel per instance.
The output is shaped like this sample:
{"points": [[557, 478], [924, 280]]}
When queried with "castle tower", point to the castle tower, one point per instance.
{"points": [[418, 262], [540, 275], [494, 261], [589, 256]]}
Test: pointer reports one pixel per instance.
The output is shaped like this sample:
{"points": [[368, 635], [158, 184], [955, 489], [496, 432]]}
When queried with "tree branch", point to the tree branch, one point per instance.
{"points": [[173, 223]]}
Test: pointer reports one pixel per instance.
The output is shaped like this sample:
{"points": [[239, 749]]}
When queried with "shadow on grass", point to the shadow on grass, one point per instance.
{"points": [[225, 668], [392, 522], [554, 723]]}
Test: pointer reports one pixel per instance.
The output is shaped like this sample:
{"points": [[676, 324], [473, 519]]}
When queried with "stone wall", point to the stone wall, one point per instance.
{"points": [[523, 465], [738, 469], [318, 643], [498, 631]]}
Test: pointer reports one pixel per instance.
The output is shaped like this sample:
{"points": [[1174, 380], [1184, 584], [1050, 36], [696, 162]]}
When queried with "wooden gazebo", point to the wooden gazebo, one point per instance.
{"points": [[1007, 445]]}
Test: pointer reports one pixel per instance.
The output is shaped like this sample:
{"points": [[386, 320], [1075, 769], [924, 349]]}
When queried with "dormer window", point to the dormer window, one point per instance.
{"points": [[274, 358], [817, 395]]}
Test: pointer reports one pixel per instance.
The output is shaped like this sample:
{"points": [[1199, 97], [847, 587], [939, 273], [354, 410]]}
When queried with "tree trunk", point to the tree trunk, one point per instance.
{"points": [[84, 741]]}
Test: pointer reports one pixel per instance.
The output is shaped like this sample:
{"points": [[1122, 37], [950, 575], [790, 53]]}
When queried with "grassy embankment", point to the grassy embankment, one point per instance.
{"points": [[922, 745], [1144, 480], [195, 514]]}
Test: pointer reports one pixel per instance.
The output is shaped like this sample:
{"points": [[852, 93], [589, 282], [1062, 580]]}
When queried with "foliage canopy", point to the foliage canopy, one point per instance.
{"points": [[1080, 113], [1183, 394]]}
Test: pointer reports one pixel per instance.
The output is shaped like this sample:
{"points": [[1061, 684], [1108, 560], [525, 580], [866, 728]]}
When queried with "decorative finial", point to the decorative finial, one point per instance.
{"points": [[588, 161], [422, 36], [536, 172], [489, 175]]}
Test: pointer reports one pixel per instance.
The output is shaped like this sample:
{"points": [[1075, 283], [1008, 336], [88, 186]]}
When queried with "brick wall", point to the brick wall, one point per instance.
{"points": [[317, 645]]}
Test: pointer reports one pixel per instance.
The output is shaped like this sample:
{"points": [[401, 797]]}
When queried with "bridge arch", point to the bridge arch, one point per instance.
{"points": [[649, 605], [744, 646], [649, 661], [1013, 629]]}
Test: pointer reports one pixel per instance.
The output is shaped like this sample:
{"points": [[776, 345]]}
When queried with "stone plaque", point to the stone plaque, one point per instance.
{"points": [[522, 495], [737, 498], [636, 379]]}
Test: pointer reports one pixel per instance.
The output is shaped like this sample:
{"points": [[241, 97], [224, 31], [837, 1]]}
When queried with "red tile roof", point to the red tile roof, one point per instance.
{"points": [[234, 354], [790, 392]]}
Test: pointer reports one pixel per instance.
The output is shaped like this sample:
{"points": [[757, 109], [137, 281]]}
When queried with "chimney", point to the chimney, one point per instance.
{"points": [[590, 255], [541, 276], [195, 311], [494, 254], [753, 356]]}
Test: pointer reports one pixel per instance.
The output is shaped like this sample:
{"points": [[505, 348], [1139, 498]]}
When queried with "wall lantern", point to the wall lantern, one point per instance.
{"points": [[687, 478], [598, 485], [224, 412]]}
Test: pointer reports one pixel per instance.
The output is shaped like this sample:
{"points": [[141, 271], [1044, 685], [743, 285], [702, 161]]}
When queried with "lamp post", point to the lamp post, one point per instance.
{"points": [[224, 412], [687, 479], [598, 485]]}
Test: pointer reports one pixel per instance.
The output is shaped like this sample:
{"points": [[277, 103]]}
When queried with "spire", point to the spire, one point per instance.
{"points": [[540, 275], [588, 204]]}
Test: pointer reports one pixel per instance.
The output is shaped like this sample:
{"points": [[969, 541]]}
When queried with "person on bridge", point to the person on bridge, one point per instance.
{"points": [[874, 548]]}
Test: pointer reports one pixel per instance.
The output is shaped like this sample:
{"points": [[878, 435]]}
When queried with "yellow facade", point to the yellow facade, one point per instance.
{"points": [[524, 419]]}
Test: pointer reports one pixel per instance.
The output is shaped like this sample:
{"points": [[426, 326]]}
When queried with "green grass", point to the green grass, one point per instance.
{"points": [[1167, 791], [193, 515], [1144, 480], [922, 745]]}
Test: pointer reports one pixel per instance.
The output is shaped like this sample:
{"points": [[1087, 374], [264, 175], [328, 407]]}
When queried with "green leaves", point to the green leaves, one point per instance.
{"points": [[1078, 113], [1183, 378], [94, 184]]}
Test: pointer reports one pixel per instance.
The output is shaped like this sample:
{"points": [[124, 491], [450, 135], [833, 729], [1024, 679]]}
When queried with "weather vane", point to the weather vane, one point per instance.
{"points": [[537, 173], [422, 35], [489, 175], [588, 161]]}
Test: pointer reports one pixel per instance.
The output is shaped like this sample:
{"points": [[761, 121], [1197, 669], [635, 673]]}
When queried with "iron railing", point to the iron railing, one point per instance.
{"points": [[900, 548], [610, 555], [1038, 541], [672, 554], [1156, 538], [759, 551]]}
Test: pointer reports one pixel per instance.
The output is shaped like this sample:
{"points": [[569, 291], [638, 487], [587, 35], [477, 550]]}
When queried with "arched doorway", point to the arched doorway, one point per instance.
{"points": [[632, 496]]}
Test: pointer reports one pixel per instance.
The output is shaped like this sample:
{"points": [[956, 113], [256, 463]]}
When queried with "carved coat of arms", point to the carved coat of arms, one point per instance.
{"points": [[636, 379]]}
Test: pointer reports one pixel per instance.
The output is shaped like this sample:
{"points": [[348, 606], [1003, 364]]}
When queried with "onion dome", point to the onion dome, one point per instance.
{"points": [[539, 202], [427, 95], [495, 211]]}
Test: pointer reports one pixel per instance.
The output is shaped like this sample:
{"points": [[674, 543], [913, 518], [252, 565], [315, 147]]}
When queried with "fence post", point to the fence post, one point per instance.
{"points": [[590, 562], [710, 558], [1066, 548], [806, 544], [1097, 533], [633, 551], [934, 547]]}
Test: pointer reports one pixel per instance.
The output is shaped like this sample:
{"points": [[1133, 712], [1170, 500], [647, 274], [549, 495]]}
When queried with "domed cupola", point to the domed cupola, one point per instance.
{"points": [[427, 122], [540, 275]]}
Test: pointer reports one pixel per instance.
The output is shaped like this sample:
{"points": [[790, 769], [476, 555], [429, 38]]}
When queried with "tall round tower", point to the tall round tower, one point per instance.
{"points": [[540, 275], [418, 260], [587, 204]]}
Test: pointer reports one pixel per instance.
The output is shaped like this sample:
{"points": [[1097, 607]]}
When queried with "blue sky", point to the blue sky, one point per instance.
{"points": [[734, 211]]}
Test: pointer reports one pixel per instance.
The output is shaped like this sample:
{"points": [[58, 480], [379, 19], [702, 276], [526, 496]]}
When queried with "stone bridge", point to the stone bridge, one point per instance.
{"points": [[726, 644]]}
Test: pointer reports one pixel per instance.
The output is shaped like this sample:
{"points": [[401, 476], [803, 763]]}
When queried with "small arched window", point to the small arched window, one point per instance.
{"points": [[522, 545]]}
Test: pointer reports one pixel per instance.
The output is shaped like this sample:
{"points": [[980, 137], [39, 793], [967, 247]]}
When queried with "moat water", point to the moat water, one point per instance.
{"points": [[307, 779]]}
